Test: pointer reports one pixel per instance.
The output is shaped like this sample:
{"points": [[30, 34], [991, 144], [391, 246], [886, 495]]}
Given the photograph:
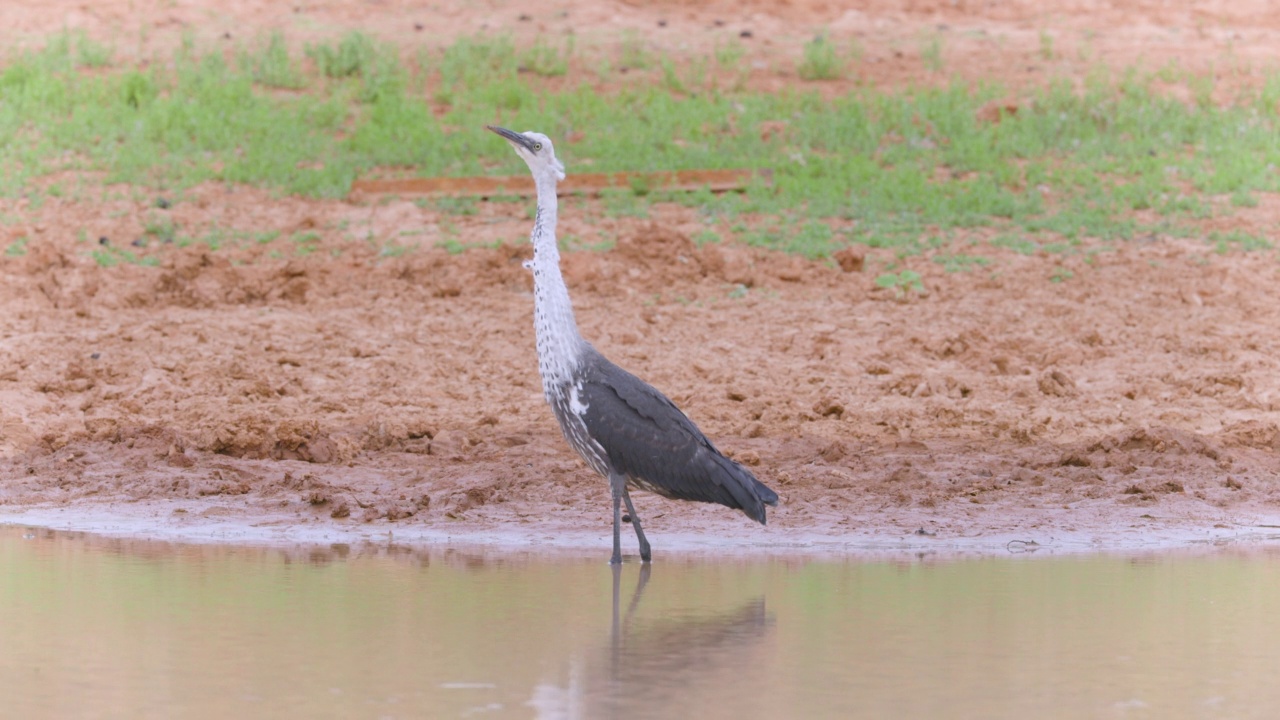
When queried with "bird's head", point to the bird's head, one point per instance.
{"points": [[535, 149]]}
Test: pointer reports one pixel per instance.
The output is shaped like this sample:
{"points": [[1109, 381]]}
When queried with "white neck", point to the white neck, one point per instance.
{"points": [[559, 344]]}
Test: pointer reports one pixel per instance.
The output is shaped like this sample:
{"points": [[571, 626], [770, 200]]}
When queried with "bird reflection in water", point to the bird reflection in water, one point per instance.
{"points": [[649, 666]]}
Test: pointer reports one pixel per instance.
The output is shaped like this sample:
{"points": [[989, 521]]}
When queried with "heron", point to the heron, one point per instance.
{"points": [[678, 653], [622, 427]]}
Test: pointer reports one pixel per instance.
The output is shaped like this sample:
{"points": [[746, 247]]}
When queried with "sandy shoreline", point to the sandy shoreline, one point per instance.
{"points": [[181, 522]]}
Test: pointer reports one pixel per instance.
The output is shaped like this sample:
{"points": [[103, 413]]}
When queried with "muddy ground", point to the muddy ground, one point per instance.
{"points": [[1138, 398]]}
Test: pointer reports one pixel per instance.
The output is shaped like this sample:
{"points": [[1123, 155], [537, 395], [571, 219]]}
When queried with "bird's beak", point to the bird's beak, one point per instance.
{"points": [[512, 136]]}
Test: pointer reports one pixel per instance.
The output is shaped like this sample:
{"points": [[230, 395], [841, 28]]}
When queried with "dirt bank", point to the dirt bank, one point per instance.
{"points": [[346, 389]]}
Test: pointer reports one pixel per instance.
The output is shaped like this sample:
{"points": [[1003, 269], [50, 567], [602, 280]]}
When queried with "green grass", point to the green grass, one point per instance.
{"points": [[1237, 240], [959, 262], [730, 54], [160, 228], [110, 256], [396, 249], [545, 60], [901, 282], [1018, 243], [453, 246], [821, 61], [463, 206], [624, 203], [1046, 46], [811, 238], [92, 54], [706, 236], [634, 55], [272, 66], [354, 55], [931, 52], [882, 168], [305, 243]]}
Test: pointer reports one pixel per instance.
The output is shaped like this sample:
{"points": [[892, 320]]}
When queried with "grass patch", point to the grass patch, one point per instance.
{"points": [[272, 66], [634, 55], [1236, 240], [960, 262], [1017, 243], [890, 168], [395, 249], [354, 55], [624, 203], [454, 246], [463, 206], [305, 243], [705, 237], [545, 60], [159, 228], [213, 238], [92, 54], [730, 54], [821, 61], [110, 257], [1046, 46], [931, 52], [901, 282]]}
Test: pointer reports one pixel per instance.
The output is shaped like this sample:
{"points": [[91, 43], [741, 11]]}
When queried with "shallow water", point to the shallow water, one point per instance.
{"points": [[106, 628]]}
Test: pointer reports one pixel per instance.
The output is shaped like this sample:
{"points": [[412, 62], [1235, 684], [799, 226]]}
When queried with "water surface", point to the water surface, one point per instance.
{"points": [[93, 627]]}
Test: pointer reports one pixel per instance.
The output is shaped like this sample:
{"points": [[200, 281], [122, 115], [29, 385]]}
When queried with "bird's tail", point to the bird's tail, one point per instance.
{"points": [[751, 494]]}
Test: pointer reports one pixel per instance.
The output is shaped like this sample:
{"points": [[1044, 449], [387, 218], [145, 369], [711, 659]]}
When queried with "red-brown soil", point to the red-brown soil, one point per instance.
{"points": [[339, 388]]}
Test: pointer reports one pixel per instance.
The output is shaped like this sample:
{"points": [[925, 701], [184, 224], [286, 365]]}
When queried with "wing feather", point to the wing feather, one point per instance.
{"points": [[648, 439]]}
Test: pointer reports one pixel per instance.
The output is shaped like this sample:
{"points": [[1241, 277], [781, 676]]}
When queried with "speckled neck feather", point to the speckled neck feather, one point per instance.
{"points": [[559, 344]]}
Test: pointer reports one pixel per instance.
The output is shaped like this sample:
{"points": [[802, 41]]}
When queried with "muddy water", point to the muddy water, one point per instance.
{"points": [[102, 628]]}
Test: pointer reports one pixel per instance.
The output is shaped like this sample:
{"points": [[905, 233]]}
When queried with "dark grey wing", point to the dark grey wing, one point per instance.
{"points": [[649, 440]]}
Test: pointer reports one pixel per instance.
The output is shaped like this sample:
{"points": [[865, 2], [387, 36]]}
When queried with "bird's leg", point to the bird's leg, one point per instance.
{"points": [[635, 598], [617, 582], [617, 483], [645, 555], [615, 633]]}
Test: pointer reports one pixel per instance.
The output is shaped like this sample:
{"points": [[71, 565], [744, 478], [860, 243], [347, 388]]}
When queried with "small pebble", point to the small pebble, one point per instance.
{"points": [[746, 34], [163, 203], [662, 23], [104, 240], [95, 356]]}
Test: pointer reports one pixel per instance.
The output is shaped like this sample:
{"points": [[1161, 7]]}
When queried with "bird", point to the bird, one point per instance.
{"points": [[679, 653], [623, 428]]}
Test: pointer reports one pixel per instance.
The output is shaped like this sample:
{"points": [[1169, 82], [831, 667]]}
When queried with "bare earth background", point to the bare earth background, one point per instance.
{"points": [[1138, 402]]}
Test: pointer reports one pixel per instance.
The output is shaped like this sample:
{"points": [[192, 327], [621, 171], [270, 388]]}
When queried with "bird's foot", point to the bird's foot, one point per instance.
{"points": [[616, 559]]}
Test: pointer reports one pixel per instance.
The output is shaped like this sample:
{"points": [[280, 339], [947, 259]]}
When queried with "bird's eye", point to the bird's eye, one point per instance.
{"points": [[537, 147]]}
